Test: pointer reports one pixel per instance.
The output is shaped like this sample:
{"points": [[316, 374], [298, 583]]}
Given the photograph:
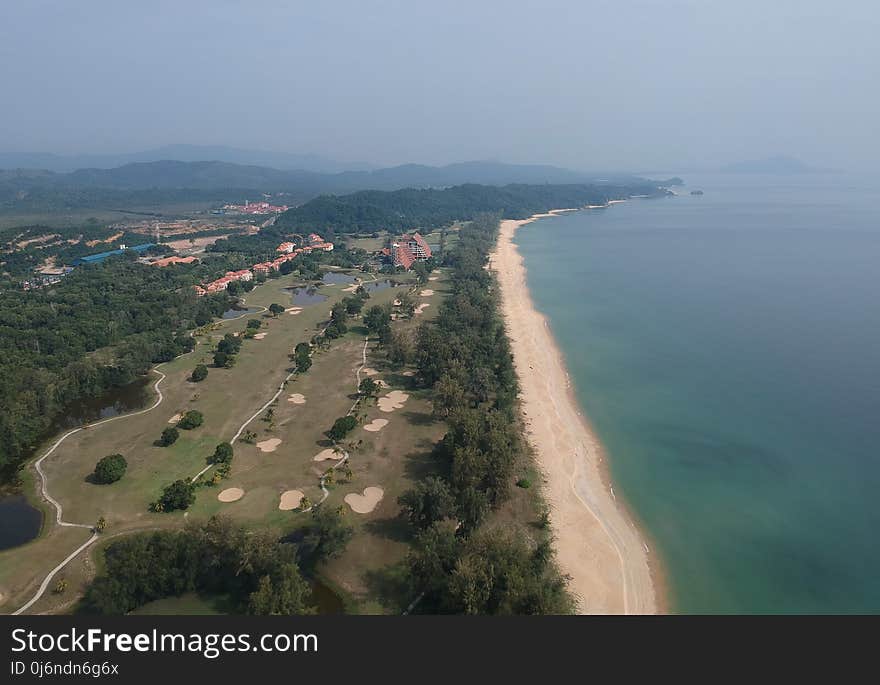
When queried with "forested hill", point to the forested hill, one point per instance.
{"points": [[368, 211]]}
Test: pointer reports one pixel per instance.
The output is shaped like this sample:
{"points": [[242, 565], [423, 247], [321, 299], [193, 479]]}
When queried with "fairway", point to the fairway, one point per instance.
{"points": [[289, 433]]}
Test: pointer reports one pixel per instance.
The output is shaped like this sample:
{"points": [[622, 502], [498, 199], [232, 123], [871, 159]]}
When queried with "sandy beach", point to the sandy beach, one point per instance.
{"points": [[597, 543]]}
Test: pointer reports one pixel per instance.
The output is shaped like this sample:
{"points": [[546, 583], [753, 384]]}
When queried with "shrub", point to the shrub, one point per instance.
{"points": [[191, 419], [524, 483], [110, 469], [199, 373]]}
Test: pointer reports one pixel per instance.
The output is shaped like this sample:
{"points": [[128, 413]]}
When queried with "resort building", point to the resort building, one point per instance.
{"points": [[408, 250], [101, 256], [285, 247]]}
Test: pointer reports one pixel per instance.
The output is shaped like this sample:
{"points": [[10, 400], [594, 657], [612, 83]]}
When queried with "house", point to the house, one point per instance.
{"points": [[241, 275], [285, 247]]}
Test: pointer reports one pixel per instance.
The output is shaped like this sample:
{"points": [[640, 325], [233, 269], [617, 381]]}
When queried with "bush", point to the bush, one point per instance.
{"points": [[179, 495], [199, 373], [192, 419], [169, 437], [254, 323], [341, 427], [524, 483], [110, 469]]}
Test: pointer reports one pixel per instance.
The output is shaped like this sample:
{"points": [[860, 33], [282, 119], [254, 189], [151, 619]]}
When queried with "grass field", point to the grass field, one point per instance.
{"points": [[390, 458]]}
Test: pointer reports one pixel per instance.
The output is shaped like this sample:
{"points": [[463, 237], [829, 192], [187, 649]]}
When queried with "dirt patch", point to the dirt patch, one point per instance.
{"points": [[290, 500], [231, 495], [393, 400], [369, 371], [364, 504], [326, 454], [269, 445], [376, 425]]}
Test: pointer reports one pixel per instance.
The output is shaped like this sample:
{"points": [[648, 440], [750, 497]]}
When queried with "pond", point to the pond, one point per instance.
{"points": [[19, 521], [373, 286], [305, 295], [234, 313], [331, 277]]}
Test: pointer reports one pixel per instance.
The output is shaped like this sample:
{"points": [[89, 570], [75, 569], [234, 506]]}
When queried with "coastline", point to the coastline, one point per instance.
{"points": [[598, 545]]}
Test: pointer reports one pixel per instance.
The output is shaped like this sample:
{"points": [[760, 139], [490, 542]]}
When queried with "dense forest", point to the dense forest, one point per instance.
{"points": [[401, 210], [102, 326]]}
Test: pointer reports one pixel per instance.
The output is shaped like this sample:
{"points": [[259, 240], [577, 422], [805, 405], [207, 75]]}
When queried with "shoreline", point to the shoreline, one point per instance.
{"points": [[598, 544]]}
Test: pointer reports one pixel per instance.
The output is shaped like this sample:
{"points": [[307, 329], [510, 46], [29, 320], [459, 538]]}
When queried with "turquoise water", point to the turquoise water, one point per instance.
{"points": [[726, 347]]}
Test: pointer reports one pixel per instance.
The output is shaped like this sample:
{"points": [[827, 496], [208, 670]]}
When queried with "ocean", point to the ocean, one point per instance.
{"points": [[726, 349]]}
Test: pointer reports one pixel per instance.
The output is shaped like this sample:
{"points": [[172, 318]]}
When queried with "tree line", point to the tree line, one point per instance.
{"points": [[461, 563]]}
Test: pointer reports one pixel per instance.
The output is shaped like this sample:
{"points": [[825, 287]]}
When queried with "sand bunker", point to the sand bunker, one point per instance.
{"points": [[259, 336], [421, 308], [376, 425], [408, 373], [351, 288], [297, 398], [427, 292], [176, 417], [364, 504], [294, 310], [393, 400], [433, 278], [369, 371], [231, 495], [290, 500], [396, 303], [269, 445], [328, 453]]}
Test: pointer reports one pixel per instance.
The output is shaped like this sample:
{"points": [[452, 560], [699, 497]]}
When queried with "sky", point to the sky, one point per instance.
{"points": [[589, 84]]}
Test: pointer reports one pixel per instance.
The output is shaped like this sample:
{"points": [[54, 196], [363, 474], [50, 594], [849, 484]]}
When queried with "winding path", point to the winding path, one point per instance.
{"points": [[59, 510]]}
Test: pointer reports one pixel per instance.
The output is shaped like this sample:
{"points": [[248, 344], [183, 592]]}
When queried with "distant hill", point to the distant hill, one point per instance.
{"points": [[155, 183], [179, 153], [770, 165]]}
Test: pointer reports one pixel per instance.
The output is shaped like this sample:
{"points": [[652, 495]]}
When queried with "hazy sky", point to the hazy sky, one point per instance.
{"points": [[617, 84]]}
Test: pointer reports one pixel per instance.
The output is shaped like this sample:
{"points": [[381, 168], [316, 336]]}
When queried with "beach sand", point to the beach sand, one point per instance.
{"points": [[597, 543]]}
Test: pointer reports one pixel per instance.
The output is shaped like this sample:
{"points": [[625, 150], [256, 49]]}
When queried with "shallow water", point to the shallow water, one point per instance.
{"points": [[726, 348]]}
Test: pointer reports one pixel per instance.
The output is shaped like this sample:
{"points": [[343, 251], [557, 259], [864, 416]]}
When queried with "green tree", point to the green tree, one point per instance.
{"points": [[179, 495], [199, 373], [284, 593], [275, 309], [341, 427], [431, 500], [222, 454], [191, 419], [169, 436], [376, 317], [325, 535], [109, 469]]}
